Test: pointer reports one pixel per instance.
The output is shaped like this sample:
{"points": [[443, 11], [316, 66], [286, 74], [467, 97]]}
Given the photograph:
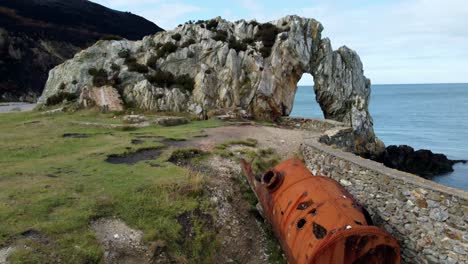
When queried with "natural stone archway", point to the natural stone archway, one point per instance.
{"points": [[305, 101], [211, 65]]}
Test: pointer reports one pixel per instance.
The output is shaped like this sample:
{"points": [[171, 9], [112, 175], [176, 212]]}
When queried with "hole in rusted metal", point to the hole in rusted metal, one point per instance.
{"points": [[301, 223], [272, 180], [319, 231], [350, 244], [361, 244], [313, 212], [304, 205], [268, 177]]}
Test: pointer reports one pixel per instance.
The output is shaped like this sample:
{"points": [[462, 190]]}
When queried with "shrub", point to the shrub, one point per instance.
{"points": [[176, 37], [134, 66], [125, 53], [249, 41], [60, 97], [161, 78], [137, 67], [254, 23], [221, 35], [152, 62], [99, 77], [115, 67], [188, 43], [166, 49], [267, 34], [212, 24], [185, 82], [166, 79], [237, 45]]}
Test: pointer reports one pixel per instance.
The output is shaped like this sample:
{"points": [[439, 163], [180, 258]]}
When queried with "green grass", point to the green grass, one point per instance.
{"points": [[58, 185]]}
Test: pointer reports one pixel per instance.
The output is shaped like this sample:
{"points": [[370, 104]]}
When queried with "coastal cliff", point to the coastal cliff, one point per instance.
{"points": [[37, 35], [210, 65]]}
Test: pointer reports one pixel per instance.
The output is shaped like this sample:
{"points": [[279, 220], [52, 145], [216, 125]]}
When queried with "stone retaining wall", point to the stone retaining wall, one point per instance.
{"points": [[429, 220], [321, 125]]}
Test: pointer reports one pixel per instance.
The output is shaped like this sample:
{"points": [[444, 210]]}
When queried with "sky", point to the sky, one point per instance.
{"points": [[399, 41]]}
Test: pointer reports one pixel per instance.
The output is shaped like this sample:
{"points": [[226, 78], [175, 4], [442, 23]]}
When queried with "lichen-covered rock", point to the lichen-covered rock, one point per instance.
{"points": [[208, 65]]}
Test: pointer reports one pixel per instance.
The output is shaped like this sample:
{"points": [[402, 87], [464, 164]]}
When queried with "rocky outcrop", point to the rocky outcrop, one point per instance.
{"points": [[208, 65], [421, 162], [37, 35]]}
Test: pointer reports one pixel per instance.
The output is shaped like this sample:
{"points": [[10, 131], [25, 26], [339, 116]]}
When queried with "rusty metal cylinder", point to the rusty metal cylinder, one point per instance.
{"points": [[317, 221]]}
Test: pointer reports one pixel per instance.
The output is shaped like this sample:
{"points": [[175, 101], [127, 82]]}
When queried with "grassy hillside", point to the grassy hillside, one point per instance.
{"points": [[56, 186]]}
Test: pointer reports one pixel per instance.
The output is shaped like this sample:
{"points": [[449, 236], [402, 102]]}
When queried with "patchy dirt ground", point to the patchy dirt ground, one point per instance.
{"points": [[121, 244], [284, 141], [243, 239], [240, 229], [4, 253]]}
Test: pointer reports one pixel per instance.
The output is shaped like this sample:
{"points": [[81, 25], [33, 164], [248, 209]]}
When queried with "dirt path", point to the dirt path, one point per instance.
{"points": [[242, 237], [284, 141]]}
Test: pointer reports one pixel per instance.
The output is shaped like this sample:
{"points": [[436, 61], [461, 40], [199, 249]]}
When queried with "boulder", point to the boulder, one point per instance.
{"points": [[216, 64], [421, 162], [171, 121]]}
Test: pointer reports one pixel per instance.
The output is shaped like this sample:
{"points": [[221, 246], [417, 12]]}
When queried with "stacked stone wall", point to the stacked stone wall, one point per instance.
{"points": [[429, 220]]}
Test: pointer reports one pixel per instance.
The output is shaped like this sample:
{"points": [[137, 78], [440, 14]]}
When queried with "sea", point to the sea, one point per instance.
{"points": [[423, 116]]}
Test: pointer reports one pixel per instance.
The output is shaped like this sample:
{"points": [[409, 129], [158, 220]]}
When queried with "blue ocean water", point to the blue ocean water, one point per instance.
{"points": [[424, 116]]}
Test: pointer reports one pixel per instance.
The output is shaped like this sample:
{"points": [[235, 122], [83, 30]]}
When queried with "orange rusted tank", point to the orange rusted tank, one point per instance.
{"points": [[316, 220]]}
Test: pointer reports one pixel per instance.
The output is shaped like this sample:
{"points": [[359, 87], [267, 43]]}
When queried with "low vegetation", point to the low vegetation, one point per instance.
{"points": [[212, 24], [176, 37], [166, 79], [100, 77], [267, 35], [166, 49], [237, 45], [60, 97], [187, 43], [134, 66], [221, 35], [57, 196]]}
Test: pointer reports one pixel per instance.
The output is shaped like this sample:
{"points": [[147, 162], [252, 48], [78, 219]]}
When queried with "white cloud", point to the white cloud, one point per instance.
{"points": [[403, 42]]}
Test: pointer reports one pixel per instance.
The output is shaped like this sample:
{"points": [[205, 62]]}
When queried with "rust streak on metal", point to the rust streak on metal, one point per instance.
{"points": [[316, 220]]}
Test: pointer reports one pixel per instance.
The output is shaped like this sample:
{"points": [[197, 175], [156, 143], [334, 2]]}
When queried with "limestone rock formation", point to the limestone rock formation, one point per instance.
{"points": [[208, 65], [37, 35]]}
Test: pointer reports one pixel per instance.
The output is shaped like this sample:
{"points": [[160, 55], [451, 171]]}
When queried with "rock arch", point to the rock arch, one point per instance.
{"points": [[242, 65]]}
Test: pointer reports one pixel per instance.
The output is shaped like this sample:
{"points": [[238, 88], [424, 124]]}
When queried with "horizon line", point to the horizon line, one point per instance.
{"points": [[401, 83]]}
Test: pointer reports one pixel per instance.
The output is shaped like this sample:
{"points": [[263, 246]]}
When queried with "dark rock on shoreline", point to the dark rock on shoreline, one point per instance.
{"points": [[421, 162], [37, 35]]}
